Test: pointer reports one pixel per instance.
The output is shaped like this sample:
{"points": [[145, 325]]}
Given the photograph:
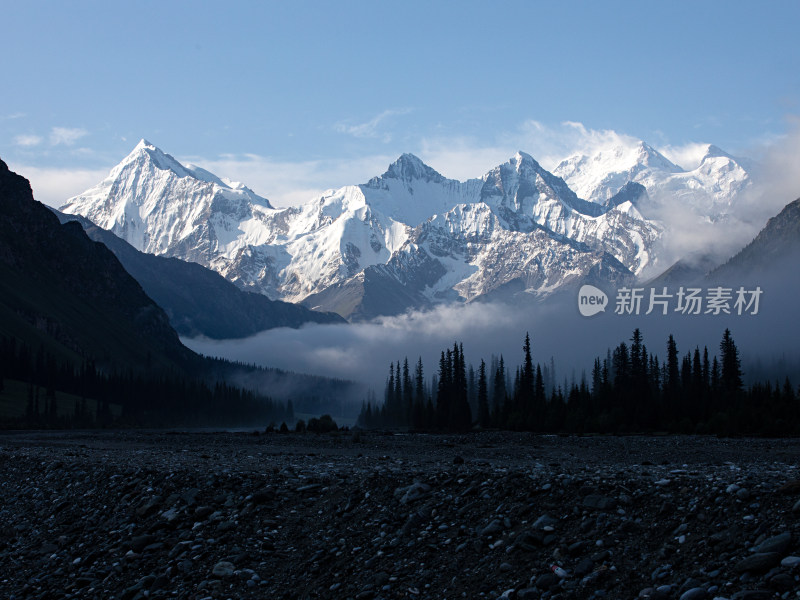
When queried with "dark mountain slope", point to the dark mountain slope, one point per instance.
{"points": [[200, 301], [776, 246], [60, 290]]}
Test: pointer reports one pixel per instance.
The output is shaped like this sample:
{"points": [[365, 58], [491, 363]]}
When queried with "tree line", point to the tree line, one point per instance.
{"points": [[125, 398], [629, 390]]}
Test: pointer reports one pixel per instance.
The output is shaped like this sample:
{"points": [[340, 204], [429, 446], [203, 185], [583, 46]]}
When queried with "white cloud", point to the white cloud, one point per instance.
{"points": [[462, 158], [53, 186], [27, 141], [371, 129], [465, 158], [687, 156], [66, 136], [780, 174]]}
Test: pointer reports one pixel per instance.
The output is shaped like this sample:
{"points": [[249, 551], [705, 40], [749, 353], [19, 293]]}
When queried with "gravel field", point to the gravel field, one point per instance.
{"points": [[135, 515]]}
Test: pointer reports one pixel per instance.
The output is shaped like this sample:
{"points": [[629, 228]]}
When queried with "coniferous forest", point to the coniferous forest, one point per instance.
{"points": [[629, 390], [98, 398]]}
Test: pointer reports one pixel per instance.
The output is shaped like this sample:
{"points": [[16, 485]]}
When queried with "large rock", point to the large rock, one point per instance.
{"points": [[779, 543], [598, 502], [759, 562]]}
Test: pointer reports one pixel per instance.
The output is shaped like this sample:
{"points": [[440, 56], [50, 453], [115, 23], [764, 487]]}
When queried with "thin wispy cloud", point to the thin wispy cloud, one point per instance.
{"points": [[66, 136], [687, 156], [27, 140], [372, 128], [53, 186], [464, 157], [780, 174]]}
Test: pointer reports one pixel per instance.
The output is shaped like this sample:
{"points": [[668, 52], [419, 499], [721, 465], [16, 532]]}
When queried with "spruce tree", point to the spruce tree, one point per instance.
{"points": [[408, 394], [472, 389], [397, 399], [639, 401], [460, 413], [526, 390], [715, 381], [538, 388], [419, 382], [686, 391], [389, 394], [418, 420], [596, 377], [443, 391], [672, 381], [637, 364], [698, 391], [484, 418], [731, 376], [499, 394]]}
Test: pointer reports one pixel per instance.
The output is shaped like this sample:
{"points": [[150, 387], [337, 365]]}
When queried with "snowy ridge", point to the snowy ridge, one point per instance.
{"points": [[710, 188], [401, 240]]}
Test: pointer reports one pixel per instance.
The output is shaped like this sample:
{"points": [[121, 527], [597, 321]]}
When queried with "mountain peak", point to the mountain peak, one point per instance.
{"points": [[409, 167], [146, 151], [524, 164], [408, 161], [715, 152], [410, 158], [523, 157], [650, 157]]}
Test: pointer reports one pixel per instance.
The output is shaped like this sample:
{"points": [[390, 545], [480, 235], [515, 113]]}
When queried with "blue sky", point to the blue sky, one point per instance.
{"points": [[294, 97]]}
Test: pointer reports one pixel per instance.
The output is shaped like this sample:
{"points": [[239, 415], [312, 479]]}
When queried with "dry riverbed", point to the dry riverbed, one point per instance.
{"points": [[132, 515]]}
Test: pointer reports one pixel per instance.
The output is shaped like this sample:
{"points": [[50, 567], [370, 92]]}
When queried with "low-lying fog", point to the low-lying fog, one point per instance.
{"points": [[768, 341]]}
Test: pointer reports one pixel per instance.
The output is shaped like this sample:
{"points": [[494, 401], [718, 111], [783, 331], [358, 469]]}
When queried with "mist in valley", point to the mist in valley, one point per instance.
{"points": [[362, 352]]}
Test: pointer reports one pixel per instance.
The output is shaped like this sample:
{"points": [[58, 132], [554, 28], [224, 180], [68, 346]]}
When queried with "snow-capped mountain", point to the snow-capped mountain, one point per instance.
{"points": [[709, 189], [525, 195], [162, 207], [406, 239]]}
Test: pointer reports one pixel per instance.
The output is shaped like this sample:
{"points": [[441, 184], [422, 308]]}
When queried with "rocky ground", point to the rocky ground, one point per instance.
{"points": [[230, 515]]}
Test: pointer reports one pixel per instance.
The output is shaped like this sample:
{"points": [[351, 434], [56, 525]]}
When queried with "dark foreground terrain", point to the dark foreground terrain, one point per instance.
{"points": [[223, 515]]}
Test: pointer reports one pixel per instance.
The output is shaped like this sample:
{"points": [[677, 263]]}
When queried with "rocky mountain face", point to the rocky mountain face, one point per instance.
{"points": [[766, 268], [197, 300], [407, 239], [775, 250], [63, 292]]}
